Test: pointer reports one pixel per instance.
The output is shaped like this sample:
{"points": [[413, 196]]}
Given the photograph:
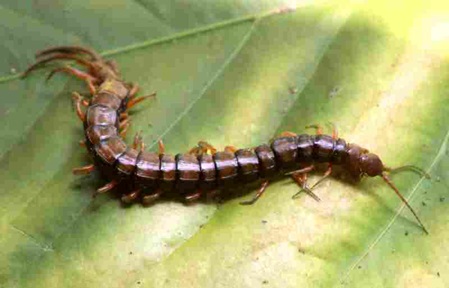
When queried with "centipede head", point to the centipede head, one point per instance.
{"points": [[362, 163], [371, 165]]}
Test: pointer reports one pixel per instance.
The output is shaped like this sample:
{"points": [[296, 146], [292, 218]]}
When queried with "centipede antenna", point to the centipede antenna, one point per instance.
{"points": [[390, 183], [412, 168]]}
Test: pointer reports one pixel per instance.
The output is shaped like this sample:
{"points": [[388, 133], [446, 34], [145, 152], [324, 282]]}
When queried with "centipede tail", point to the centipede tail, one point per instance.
{"points": [[203, 170], [70, 50]]}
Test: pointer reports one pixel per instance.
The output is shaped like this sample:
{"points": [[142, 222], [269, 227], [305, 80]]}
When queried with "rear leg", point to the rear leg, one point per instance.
{"points": [[83, 62], [86, 77], [70, 50]]}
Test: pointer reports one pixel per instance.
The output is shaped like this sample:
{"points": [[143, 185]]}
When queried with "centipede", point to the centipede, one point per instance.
{"points": [[147, 176]]}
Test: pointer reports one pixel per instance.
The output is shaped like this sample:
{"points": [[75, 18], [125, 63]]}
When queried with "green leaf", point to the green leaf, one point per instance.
{"points": [[232, 73]]}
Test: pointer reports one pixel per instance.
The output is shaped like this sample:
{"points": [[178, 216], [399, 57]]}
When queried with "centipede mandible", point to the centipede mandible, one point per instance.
{"points": [[203, 170]]}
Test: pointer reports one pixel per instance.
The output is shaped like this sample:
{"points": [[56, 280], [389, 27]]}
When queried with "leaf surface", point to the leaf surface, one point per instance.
{"points": [[232, 73]]}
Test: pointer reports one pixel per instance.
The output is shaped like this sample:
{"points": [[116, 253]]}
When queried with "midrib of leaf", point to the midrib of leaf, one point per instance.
{"points": [[441, 153]]}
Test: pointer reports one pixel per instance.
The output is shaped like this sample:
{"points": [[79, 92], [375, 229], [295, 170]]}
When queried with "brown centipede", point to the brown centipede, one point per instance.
{"points": [[149, 175]]}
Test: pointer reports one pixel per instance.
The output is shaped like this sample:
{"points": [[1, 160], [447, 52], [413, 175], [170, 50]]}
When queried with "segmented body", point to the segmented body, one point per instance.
{"points": [[190, 175], [185, 173]]}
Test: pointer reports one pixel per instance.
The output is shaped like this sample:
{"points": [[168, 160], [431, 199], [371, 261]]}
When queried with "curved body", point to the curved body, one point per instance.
{"points": [[190, 175], [185, 173]]}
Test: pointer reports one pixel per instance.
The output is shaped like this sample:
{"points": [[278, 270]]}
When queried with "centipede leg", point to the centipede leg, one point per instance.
{"points": [[193, 197], [89, 79], [133, 102], [77, 98], [262, 189], [124, 130], [151, 198], [230, 149], [123, 116], [113, 65], [195, 151], [131, 197], [123, 124], [203, 147], [302, 170], [334, 130], [107, 187], [209, 148], [288, 134], [326, 174], [161, 147], [319, 129], [83, 170], [142, 145], [134, 90], [137, 140], [301, 180], [83, 101]]}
